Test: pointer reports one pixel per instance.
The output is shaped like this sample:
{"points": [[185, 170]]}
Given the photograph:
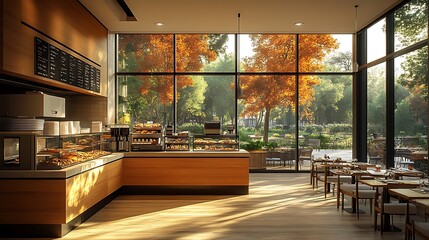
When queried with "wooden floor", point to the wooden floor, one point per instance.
{"points": [[279, 206]]}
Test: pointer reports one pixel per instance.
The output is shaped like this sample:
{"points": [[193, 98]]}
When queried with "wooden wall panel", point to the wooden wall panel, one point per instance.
{"points": [[114, 171], [69, 23], [85, 190], [66, 22], [30, 201], [186, 171]]}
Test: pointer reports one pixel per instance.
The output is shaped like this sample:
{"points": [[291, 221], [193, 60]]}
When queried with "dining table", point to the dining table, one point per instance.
{"points": [[410, 195], [386, 185]]}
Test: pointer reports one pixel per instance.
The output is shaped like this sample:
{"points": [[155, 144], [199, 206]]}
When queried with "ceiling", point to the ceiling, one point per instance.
{"points": [[221, 16]]}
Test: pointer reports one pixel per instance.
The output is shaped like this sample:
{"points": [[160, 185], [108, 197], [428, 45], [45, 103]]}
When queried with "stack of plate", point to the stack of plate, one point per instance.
{"points": [[21, 124], [52, 128]]}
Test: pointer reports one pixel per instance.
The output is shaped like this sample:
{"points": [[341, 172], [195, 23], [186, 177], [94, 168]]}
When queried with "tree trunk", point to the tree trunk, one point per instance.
{"points": [[266, 123]]}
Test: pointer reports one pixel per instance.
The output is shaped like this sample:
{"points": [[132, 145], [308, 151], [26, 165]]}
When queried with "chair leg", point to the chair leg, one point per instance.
{"points": [[357, 208], [370, 206], [342, 202], [381, 222], [375, 220]]}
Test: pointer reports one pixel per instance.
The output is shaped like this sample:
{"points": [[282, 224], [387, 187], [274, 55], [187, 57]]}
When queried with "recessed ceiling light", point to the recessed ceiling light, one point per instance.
{"points": [[298, 24], [159, 24]]}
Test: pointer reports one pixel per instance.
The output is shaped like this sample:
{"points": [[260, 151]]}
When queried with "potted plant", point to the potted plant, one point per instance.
{"points": [[258, 154]]}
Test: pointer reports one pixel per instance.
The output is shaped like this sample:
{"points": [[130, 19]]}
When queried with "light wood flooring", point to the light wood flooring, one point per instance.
{"points": [[279, 206]]}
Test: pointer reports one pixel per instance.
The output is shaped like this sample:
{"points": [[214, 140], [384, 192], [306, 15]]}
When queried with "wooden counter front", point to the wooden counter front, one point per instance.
{"points": [[177, 170]]}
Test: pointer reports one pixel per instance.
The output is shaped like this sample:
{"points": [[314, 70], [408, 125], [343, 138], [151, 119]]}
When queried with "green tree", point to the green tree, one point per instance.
{"points": [[191, 102], [220, 94], [327, 97], [411, 26]]}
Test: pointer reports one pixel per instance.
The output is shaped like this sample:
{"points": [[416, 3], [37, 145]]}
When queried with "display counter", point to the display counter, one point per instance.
{"points": [[50, 203], [186, 172]]}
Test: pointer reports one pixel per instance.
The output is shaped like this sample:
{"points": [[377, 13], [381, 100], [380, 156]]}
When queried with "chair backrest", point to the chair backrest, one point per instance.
{"points": [[314, 143], [274, 154], [306, 152]]}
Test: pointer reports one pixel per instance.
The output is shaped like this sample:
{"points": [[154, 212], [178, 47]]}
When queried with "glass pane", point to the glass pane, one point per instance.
{"points": [[319, 52], [195, 52], [267, 53], [11, 151], [145, 53], [411, 109], [267, 113], [326, 115], [145, 98], [376, 116], [411, 24], [376, 41], [205, 98]]}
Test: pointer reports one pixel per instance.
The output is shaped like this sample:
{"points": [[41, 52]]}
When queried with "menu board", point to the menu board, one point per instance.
{"points": [[41, 58], [56, 64]]}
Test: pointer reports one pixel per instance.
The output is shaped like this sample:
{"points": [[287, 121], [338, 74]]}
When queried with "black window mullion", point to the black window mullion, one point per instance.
{"points": [[390, 92], [297, 102]]}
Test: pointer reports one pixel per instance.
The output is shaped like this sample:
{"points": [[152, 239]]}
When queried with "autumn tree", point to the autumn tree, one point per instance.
{"points": [[277, 53], [155, 54]]}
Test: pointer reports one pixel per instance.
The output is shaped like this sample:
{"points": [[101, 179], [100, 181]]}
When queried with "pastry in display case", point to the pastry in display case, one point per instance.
{"points": [[178, 142], [58, 152], [216, 143], [146, 137]]}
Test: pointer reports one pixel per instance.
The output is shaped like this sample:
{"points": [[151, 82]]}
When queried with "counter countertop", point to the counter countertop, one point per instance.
{"points": [[62, 173], [191, 154]]}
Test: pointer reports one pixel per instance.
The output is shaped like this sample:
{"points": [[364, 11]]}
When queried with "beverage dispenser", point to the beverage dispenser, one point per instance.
{"points": [[120, 134]]}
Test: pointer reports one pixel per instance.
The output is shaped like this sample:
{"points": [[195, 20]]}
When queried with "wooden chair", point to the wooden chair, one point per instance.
{"points": [[391, 208], [274, 157], [420, 229], [305, 154], [356, 191], [331, 180]]}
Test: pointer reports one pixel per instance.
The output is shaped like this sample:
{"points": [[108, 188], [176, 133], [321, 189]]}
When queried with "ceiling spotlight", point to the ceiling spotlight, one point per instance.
{"points": [[298, 24], [159, 24]]}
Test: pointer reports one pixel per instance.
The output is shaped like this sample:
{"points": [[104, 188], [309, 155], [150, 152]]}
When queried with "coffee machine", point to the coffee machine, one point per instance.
{"points": [[120, 134]]}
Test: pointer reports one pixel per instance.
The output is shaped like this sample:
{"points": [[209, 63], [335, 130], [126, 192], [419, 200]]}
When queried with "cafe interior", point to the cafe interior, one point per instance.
{"points": [[216, 120]]}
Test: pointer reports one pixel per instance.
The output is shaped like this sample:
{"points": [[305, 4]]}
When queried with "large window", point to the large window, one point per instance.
{"points": [[186, 79], [396, 81]]}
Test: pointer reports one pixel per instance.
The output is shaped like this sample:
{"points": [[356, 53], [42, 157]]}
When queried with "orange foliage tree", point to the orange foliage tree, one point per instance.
{"points": [[155, 54], [277, 54]]}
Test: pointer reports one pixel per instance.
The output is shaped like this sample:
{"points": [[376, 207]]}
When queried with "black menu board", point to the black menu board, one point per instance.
{"points": [[72, 70], [54, 63], [64, 67], [97, 80], [86, 81], [41, 57], [79, 73]]}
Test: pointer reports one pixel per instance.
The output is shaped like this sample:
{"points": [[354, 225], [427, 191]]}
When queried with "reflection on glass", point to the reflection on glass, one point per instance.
{"points": [[145, 53], [145, 98], [11, 151], [205, 98], [376, 41], [411, 24]]}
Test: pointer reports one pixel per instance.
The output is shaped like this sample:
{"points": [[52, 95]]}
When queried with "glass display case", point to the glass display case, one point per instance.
{"points": [[216, 142], [146, 137], [177, 143], [58, 152]]}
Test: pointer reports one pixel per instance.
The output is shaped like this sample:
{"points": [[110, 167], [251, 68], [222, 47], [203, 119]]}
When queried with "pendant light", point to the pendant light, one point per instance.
{"points": [[239, 89], [355, 40]]}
